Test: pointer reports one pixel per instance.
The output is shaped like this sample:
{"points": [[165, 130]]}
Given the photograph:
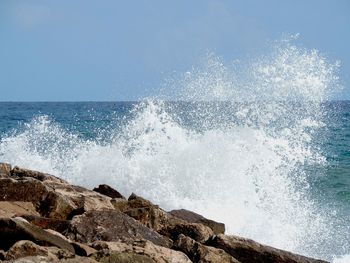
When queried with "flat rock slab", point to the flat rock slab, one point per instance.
{"points": [[16, 229], [111, 225], [249, 251], [17, 208]]}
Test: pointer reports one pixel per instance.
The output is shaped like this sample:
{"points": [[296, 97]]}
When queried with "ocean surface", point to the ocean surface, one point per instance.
{"points": [[259, 146]]}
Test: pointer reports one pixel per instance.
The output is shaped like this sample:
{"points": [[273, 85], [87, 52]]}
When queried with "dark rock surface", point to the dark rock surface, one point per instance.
{"points": [[192, 217], [108, 191], [111, 225], [249, 251]]}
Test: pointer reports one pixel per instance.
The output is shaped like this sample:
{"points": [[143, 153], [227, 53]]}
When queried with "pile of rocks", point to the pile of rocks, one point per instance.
{"points": [[45, 219]]}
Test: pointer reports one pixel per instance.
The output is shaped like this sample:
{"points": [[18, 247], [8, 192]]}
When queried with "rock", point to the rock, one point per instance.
{"points": [[249, 251], [21, 172], [120, 204], [198, 232], [150, 251], [17, 208], [47, 223], [122, 257], [59, 253], [108, 191], [5, 170], [45, 200], [25, 248], [82, 249], [51, 196], [111, 225], [2, 255], [192, 217], [55, 233], [201, 253], [15, 229]]}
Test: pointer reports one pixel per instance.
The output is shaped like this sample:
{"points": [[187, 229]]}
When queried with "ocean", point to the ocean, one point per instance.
{"points": [[263, 149]]}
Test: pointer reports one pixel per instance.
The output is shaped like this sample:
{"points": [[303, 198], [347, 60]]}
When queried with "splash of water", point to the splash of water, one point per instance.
{"points": [[234, 150]]}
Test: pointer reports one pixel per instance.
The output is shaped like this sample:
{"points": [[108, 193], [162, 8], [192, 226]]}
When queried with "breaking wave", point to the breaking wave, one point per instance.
{"points": [[235, 146]]}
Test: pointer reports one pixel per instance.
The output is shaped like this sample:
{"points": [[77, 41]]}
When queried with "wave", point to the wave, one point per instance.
{"points": [[234, 147]]}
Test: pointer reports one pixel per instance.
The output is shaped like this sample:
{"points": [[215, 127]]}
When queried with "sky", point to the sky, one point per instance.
{"points": [[112, 50]]}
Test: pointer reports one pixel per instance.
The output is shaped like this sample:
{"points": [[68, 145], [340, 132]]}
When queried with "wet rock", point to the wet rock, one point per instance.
{"points": [[111, 225], [25, 248], [152, 252], [192, 217], [249, 251], [201, 253], [198, 232], [5, 170], [21, 172], [15, 229], [16, 208], [108, 191]]}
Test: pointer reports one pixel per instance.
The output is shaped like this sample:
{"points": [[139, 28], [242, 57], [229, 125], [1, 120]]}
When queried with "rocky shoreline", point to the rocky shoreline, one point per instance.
{"points": [[45, 219]]}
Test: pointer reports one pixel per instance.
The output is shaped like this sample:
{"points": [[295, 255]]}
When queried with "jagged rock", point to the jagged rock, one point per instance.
{"points": [[198, 232], [48, 223], [25, 248], [249, 251], [111, 225], [42, 259], [122, 257], [45, 200], [15, 229], [21, 172], [82, 249], [51, 196], [5, 169], [120, 204], [150, 251], [108, 191], [59, 253], [17, 208], [192, 217], [201, 253]]}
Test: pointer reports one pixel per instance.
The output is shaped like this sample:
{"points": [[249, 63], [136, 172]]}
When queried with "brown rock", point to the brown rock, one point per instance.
{"points": [[21, 172], [2, 255], [108, 191], [146, 248], [111, 225], [48, 223], [198, 232], [201, 253], [120, 204], [82, 249], [15, 229], [192, 217], [249, 251], [17, 208], [122, 257], [5, 169], [25, 248]]}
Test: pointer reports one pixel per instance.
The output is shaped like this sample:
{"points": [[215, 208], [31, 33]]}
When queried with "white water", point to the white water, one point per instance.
{"points": [[247, 174]]}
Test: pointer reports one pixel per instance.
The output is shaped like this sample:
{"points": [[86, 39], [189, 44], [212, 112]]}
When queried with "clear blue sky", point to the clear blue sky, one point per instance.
{"points": [[118, 50]]}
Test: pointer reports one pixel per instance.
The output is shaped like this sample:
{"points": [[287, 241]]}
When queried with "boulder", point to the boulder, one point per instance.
{"points": [[198, 232], [16, 229], [5, 170], [111, 225], [192, 217], [2, 255], [58, 225], [108, 191], [21, 172], [25, 248], [51, 196], [200, 253], [149, 251], [82, 249], [249, 251], [16, 208]]}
